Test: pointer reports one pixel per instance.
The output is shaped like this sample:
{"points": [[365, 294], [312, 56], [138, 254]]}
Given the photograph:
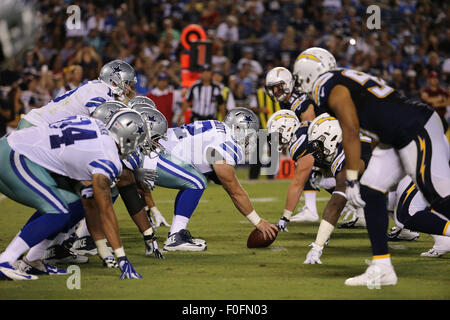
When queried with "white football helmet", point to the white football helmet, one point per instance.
{"points": [[282, 79], [323, 55], [285, 122], [306, 71], [324, 135]]}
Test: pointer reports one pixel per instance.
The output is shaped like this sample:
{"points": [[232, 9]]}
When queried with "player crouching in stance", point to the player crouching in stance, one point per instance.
{"points": [[321, 139], [79, 148], [411, 141], [199, 150]]}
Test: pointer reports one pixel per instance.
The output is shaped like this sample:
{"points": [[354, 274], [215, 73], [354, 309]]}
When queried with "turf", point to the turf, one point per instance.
{"points": [[230, 271]]}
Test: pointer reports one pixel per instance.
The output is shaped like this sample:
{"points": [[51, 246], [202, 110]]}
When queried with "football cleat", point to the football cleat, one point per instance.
{"points": [[376, 275], [183, 241], [358, 222], [305, 215], [399, 234], [38, 267], [10, 271], [85, 246], [434, 253], [60, 254]]}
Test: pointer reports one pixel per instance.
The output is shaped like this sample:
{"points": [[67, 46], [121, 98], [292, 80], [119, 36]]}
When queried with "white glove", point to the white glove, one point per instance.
{"points": [[282, 224], [349, 212], [158, 217], [313, 256], [353, 194], [316, 178]]}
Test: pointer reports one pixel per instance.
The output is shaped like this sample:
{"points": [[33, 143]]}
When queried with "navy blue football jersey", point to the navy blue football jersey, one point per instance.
{"points": [[299, 147], [382, 111], [298, 102]]}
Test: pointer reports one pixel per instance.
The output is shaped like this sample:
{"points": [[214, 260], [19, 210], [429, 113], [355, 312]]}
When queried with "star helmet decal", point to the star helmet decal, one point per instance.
{"points": [[140, 130], [117, 69]]}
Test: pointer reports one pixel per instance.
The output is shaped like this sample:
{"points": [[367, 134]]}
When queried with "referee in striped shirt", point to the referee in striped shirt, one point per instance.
{"points": [[206, 98]]}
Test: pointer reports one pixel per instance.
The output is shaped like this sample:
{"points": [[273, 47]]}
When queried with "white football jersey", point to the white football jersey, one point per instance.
{"points": [[80, 101], [76, 147], [194, 142]]}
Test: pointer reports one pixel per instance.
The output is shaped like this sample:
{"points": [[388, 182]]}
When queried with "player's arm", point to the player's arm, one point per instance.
{"points": [[309, 114], [230, 183], [102, 195], [342, 104], [301, 175]]}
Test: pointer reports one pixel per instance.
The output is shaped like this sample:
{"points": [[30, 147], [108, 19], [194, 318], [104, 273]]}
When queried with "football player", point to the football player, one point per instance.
{"points": [[410, 141], [81, 149], [322, 140], [205, 150], [280, 86], [409, 209]]}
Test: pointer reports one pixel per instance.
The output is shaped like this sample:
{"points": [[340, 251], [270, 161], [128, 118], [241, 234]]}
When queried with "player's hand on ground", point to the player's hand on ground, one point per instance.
{"points": [[268, 229], [349, 212], [353, 194], [282, 224], [110, 262], [127, 269], [313, 256], [159, 218]]}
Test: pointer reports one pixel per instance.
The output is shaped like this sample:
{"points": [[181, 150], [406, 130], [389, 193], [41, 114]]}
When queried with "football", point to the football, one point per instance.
{"points": [[256, 240]]}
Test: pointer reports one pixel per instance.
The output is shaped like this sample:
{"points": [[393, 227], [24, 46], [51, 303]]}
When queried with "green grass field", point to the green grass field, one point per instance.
{"points": [[228, 270]]}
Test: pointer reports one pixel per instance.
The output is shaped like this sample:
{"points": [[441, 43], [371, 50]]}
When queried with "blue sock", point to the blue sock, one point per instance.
{"points": [[42, 227], [186, 201], [377, 219]]}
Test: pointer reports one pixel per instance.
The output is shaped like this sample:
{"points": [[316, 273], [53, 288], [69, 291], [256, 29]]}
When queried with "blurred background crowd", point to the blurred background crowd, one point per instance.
{"points": [[411, 50]]}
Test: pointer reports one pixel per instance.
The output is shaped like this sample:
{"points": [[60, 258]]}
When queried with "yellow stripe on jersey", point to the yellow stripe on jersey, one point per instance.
{"points": [[337, 162], [307, 56], [316, 91], [422, 165], [445, 228], [411, 189], [295, 105]]}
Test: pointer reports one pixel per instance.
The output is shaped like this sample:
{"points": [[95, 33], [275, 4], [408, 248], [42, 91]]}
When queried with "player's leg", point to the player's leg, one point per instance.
{"points": [[308, 213], [426, 161], [383, 172], [176, 174]]}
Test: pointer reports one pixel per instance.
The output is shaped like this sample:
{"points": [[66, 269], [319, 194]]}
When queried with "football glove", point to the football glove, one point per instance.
{"points": [[316, 178], [158, 217], [146, 177], [353, 194], [349, 212], [127, 269], [282, 224], [110, 262], [151, 247], [313, 256]]}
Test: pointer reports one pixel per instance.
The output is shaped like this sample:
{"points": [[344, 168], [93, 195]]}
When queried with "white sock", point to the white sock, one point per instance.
{"points": [[37, 252], [178, 223], [384, 259], [441, 243], [14, 250], [310, 200], [82, 230]]}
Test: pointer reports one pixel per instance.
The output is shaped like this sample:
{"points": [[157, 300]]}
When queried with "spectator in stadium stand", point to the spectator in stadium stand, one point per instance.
{"points": [[205, 98], [11, 110], [228, 30], [167, 100], [227, 94], [436, 96], [73, 76]]}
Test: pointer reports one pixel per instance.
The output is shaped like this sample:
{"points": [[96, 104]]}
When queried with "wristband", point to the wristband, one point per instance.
{"points": [[120, 252], [253, 217], [102, 248], [287, 214], [352, 174], [340, 193], [154, 210], [324, 233]]}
